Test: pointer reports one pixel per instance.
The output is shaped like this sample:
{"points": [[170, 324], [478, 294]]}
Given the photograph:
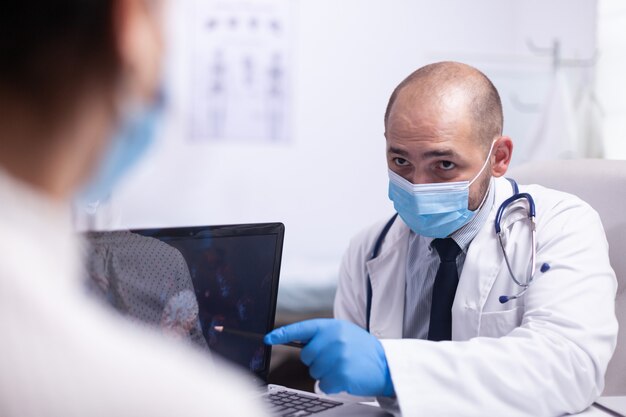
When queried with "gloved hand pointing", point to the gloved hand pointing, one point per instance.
{"points": [[341, 355]]}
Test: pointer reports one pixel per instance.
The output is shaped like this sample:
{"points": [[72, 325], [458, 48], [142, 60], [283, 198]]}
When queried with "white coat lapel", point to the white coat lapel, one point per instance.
{"points": [[482, 264], [387, 274]]}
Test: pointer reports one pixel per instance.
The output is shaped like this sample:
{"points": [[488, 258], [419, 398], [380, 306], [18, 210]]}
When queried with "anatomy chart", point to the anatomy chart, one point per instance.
{"points": [[239, 81]]}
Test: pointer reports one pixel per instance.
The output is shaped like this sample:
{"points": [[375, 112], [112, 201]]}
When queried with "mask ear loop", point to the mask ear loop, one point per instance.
{"points": [[480, 172], [484, 165], [485, 196]]}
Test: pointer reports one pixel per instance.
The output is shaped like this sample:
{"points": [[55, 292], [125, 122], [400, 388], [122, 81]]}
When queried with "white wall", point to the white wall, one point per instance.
{"points": [[330, 180], [611, 81]]}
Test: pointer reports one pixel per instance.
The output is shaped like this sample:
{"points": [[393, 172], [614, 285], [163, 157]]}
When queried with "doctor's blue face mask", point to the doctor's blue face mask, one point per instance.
{"points": [[434, 210]]}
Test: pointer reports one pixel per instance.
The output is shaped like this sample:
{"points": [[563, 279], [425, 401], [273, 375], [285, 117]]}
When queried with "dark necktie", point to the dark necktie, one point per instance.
{"points": [[444, 288]]}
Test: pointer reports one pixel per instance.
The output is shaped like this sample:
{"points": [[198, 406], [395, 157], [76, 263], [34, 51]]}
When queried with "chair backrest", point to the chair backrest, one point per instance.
{"points": [[602, 184]]}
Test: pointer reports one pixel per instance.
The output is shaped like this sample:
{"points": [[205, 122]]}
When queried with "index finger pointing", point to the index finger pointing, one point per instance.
{"points": [[302, 331]]}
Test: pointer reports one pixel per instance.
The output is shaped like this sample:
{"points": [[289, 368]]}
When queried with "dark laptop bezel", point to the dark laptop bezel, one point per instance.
{"points": [[230, 230]]}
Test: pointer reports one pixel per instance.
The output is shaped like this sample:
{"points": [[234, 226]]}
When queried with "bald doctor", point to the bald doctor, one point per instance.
{"points": [[456, 327]]}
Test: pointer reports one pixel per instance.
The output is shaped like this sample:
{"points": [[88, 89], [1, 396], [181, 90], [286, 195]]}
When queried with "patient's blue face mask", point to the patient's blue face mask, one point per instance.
{"points": [[136, 132], [434, 210]]}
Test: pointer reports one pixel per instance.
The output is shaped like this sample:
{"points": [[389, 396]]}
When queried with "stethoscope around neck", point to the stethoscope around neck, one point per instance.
{"points": [[517, 196]]}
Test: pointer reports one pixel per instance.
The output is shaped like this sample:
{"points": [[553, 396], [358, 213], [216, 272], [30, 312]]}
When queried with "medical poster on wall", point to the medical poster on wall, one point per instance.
{"points": [[240, 70]]}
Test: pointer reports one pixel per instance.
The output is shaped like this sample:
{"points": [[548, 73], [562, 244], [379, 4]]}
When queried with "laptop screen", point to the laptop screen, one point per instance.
{"points": [[215, 285]]}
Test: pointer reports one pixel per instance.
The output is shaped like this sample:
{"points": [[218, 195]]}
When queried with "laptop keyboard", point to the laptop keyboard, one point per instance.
{"points": [[294, 404]]}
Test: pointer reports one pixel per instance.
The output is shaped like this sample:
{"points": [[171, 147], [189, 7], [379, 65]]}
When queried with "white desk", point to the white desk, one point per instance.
{"points": [[596, 410], [593, 411]]}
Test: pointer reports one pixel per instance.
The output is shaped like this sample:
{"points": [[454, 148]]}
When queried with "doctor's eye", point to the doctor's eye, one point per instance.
{"points": [[446, 165], [401, 162]]}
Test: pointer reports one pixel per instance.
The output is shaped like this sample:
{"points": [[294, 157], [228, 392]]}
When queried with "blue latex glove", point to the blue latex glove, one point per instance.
{"points": [[341, 355]]}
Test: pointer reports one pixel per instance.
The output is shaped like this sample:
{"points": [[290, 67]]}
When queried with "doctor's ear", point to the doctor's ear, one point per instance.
{"points": [[501, 156]]}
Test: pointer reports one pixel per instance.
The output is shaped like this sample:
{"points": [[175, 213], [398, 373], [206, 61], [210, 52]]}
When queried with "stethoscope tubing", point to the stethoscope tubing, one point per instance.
{"points": [[533, 230], [499, 214]]}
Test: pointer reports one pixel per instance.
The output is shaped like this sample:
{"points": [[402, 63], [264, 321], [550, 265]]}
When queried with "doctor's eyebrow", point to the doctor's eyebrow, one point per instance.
{"points": [[441, 153], [398, 151]]}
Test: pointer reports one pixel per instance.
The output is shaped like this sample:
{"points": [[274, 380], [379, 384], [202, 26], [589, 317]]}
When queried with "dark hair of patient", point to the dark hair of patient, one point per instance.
{"points": [[50, 50]]}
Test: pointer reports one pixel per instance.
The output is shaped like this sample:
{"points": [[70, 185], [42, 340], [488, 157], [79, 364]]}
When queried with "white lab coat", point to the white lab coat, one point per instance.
{"points": [[542, 355], [64, 355]]}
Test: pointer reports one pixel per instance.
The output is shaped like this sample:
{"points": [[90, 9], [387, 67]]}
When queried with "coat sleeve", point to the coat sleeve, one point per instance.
{"points": [[553, 364]]}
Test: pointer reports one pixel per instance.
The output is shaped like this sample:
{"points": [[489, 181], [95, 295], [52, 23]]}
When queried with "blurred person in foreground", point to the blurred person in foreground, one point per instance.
{"points": [[78, 101]]}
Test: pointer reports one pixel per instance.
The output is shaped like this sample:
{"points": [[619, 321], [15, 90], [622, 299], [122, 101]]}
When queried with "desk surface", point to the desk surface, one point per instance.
{"points": [[615, 404], [594, 410]]}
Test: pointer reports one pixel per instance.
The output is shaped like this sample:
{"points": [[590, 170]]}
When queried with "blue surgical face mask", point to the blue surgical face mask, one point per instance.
{"points": [[136, 132], [434, 210]]}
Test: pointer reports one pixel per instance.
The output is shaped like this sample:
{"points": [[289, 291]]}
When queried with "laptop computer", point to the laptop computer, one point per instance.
{"points": [[217, 286]]}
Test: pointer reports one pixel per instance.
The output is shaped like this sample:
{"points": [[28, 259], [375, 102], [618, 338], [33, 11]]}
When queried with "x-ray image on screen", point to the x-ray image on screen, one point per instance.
{"points": [[232, 277], [187, 281]]}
